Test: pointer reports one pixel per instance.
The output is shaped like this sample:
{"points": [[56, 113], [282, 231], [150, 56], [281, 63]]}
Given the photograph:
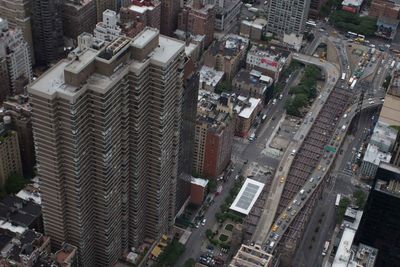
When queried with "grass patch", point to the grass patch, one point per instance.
{"points": [[223, 238], [229, 227]]}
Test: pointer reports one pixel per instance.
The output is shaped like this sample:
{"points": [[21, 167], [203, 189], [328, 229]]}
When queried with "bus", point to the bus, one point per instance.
{"points": [[351, 80], [337, 202], [343, 76], [326, 247], [351, 35], [353, 84], [311, 23], [361, 36]]}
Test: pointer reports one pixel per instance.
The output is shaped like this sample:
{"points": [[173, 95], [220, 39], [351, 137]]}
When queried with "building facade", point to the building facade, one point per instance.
{"points": [[103, 5], [108, 30], [78, 16], [198, 19], [15, 54], [380, 223], [146, 12], [214, 134], [18, 14], [106, 125], [47, 30], [169, 16], [287, 16], [10, 157]]}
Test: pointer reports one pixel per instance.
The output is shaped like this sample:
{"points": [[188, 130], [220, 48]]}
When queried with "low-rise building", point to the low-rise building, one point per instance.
{"points": [[108, 29], [139, 14], [215, 127], [247, 109], [387, 8], [254, 30], [372, 158], [198, 190], [227, 55], [252, 83], [352, 6], [210, 78], [250, 256], [269, 61]]}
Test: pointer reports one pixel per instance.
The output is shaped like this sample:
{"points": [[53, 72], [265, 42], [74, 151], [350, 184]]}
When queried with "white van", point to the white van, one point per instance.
{"points": [[311, 180], [252, 137], [301, 191]]}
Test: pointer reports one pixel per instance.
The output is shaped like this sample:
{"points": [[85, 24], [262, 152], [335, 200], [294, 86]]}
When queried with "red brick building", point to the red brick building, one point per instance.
{"points": [[146, 12], [198, 191], [198, 19], [215, 127], [169, 16], [384, 8]]}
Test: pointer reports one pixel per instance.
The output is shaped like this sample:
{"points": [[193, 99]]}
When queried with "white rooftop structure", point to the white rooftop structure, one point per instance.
{"points": [[247, 196], [210, 77], [199, 181], [353, 3], [15, 229], [30, 195], [248, 110], [343, 253], [374, 156], [108, 30]]}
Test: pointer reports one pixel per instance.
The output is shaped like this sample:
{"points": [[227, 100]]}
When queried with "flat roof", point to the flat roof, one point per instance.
{"points": [[390, 112], [84, 59], [343, 252], [375, 156], [140, 9], [167, 49], [247, 196], [354, 3], [145, 37], [199, 181], [247, 111]]}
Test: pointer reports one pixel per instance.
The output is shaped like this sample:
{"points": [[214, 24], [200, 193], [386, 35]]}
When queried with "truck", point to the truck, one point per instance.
{"points": [[351, 80], [343, 76], [392, 64], [353, 84], [326, 247]]}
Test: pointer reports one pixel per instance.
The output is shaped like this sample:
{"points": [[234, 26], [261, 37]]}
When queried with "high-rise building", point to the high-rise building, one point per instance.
{"points": [[10, 158], [18, 15], [47, 30], [78, 16], [215, 128], [107, 128], [15, 57], [198, 19], [169, 16], [287, 16], [103, 5], [380, 223]]}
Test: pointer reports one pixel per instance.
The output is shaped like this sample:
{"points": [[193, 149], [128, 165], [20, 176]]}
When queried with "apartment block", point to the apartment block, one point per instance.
{"points": [[247, 110], [15, 60], [19, 110], [198, 19], [106, 123], [227, 14], [253, 83], [315, 8], [384, 8], [18, 15], [227, 55], [108, 29], [287, 16], [147, 12], [214, 134], [10, 157], [169, 16], [103, 5], [47, 30], [78, 16]]}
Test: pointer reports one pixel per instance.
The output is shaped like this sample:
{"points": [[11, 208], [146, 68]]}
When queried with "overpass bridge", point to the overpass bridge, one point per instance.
{"points": [[282, 223]]}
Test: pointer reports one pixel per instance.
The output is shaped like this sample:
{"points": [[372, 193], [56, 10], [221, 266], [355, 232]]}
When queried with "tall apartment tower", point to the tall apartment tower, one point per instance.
{"points": [[107, 132], [287, 16], [18, 15], [47, 30], [169, 16], [15, 54]]}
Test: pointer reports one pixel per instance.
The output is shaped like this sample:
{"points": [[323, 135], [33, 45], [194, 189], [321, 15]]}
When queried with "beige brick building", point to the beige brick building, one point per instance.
{"points": [[106, 125], [10, 158]]}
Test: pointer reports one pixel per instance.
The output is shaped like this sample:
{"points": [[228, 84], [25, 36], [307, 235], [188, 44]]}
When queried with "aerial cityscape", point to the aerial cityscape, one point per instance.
{"points": [[195, 133]]}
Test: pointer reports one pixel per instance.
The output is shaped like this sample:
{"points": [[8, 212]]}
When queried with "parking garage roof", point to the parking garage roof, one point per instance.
{"points": [[247, 196]]}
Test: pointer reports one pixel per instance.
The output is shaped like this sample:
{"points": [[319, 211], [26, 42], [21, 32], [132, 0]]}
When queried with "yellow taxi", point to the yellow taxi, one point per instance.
{"points": [[282, 179], [274, 228]]}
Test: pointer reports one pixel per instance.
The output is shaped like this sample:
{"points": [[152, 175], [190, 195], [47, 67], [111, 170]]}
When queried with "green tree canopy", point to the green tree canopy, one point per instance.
{"points": [[14, 183]]}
